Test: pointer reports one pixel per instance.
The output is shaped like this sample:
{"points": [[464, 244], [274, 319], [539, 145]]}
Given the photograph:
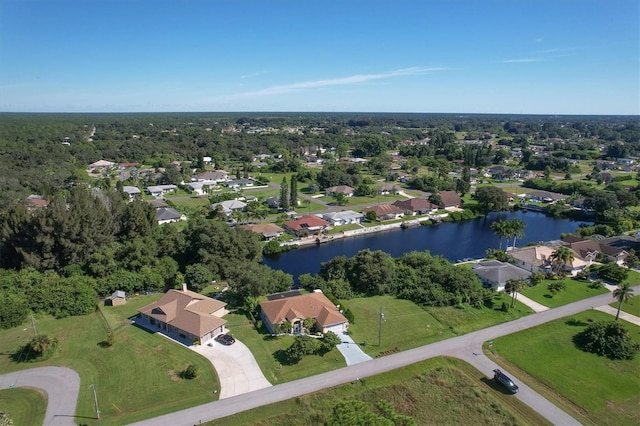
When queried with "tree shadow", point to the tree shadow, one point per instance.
{"points": [[575, 323], [104, 344], [24, 354], [280, 356], [548, 296], [580, 341]]}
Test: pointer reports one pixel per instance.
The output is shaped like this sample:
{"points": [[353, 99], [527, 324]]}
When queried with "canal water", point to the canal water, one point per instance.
{"points": [[459, 240]]}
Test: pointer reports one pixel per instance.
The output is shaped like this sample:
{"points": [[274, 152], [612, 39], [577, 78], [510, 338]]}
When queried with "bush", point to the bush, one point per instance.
{"points": [[608, 338], [349, 316], [189, 373], [504, 307]]}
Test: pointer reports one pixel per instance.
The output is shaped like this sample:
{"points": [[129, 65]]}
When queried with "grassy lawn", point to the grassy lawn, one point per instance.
{"points": [[407, 325], [631, 306], [342, 228], [575, 290], [191, 203], [135, 379], [594, 389], [436, 391], [266, 350], [177, 193], [24, 406]]}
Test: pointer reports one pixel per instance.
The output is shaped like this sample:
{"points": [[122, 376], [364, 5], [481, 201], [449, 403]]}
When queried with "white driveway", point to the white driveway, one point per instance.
{"points": [[237, 369], [351, 351]]}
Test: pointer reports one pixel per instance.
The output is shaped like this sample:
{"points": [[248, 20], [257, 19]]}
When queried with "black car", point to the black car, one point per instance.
{"points": [[225, 339], [505, 381]]}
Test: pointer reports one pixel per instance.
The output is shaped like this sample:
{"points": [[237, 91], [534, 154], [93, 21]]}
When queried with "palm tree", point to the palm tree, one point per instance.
{"points": [[512, 287], [622, 293], [499, 227], [516, 229], [562, 256]]}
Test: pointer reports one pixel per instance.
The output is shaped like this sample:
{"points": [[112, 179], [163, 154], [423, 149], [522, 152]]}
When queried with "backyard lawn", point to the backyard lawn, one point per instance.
{"points": [[266, 350], [592, 388], [436, 391], [23, 406], [574, 290], [407, 325], [135, 379]]}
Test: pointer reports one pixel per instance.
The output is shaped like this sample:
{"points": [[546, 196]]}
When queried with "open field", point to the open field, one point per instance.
{"points": [[135, 379], [436, 391], [266, 350], [24, 406], [407, 325], [574, 290], [593, 389]]}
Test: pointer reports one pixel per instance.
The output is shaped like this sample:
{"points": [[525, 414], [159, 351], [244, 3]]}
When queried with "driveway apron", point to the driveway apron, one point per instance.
{"points": [[351, 351]]}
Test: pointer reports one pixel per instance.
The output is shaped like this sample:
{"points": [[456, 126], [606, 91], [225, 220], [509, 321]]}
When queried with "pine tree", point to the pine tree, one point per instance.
{"points": [[293, 196], [284, 194]]}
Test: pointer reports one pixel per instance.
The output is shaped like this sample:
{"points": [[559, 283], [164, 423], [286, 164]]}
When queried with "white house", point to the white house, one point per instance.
{"points": [[159, 190], [200, 188], [343, 217]]}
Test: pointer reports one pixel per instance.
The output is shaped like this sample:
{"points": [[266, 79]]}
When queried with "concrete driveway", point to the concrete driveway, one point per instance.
{"points": [[351, 351], [237, 369]]}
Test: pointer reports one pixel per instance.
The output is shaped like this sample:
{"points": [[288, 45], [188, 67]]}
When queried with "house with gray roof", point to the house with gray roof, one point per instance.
{"points": [[230, 206], [495, 274], [132, 191], [168, 215], [343, 218]]}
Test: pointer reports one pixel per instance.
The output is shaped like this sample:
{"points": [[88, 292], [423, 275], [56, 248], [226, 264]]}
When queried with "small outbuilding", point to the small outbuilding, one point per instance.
{"points": [[117, 298]]}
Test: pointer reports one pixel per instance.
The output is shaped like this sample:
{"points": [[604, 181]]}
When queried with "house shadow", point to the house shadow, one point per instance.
{"points": [[495, 385]]}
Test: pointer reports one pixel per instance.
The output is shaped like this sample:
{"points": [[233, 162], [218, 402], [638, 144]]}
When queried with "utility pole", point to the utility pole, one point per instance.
{"points": [[95, 398], [380, 326], [33, 324]]}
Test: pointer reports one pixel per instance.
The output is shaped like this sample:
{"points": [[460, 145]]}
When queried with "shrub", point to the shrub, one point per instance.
{"points": [[189, 373], [608, 338], [505, 307], [349, 316]]}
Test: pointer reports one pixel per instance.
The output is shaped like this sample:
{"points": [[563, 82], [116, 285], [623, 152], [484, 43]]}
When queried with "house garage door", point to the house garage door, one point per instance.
{"points": [[338, 329]]}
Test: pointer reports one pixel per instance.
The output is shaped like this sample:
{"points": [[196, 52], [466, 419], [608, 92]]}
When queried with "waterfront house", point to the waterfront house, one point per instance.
{"points": [[344, 217], [269, 231], [385, 211], [450, 200], [306, 225], [539, 259], [416, 206]]}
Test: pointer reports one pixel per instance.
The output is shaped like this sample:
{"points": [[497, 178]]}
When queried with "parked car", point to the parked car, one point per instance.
{"points": [[505, 381], [225, 339]]}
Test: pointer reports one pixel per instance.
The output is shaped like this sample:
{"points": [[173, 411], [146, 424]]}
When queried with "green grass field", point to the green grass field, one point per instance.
{"points": [[575, 290], [439, 391], [135, 379], [631, 306], [407, 325], [266, 350], [23, 406], [593, 389]]}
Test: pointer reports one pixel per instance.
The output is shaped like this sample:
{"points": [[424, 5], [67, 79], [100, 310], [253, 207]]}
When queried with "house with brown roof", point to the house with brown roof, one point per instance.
{"points": [[305, 226], [415, 206], [589, 249], [296, 309], [539, 259], [184, 315], [385, 211], [450, 200], [269, 231], [340, 189]]}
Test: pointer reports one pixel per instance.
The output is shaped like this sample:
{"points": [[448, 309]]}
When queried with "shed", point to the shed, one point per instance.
{"points": [[117, 298]]}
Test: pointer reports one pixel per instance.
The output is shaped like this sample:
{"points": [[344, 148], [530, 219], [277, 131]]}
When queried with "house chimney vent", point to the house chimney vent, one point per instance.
{"points": [[184, 287]]}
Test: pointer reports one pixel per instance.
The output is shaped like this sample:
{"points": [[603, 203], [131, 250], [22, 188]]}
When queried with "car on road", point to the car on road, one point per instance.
{"points": [[505, 381], [225, 339]]}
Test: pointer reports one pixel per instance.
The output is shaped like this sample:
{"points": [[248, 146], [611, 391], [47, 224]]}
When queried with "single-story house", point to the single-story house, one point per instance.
{"points": [[158, 203], [340, 189], [117, 298], [306, 225], [495, 274], [239, 183], [217, 176], [545, 196], [538, 259], [387, 189], [273, 202], [36, 202], [201, 187], [450, 200], [230, 206], [101, 164], [613, 249], [186, 315], [296, 309], [132, 191], [344, 217], [160, 190], [415, 206], [385, 211], [168, 215], [269, 231]]}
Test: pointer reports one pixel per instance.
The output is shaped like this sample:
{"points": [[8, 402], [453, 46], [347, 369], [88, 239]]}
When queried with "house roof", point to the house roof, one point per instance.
{"points": [[450, 198], [217, 175], [263, 228], [167, 213], [415, 204], [306, 222], [312, 305], [344, 215], [540, 255], [187, 310], [101, 163], [157, 203], [384, 209], [131, 190], [118, 294], [499, 272], [343, 189]]}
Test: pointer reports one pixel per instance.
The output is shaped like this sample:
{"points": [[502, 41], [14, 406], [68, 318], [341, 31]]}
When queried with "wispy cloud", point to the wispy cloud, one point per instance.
{"points": [[340, 81], [521, 60], [254, 74]]}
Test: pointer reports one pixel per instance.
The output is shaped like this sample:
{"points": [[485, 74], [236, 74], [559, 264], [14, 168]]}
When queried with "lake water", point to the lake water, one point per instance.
{"points": [[451, 240]]}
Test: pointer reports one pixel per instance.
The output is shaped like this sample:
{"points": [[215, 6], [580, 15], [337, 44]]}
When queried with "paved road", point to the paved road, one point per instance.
{"points": [[61, 385], [464, 347]]}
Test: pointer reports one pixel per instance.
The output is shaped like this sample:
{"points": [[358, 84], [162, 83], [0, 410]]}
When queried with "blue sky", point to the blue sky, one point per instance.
{"points": [[464, 56]]}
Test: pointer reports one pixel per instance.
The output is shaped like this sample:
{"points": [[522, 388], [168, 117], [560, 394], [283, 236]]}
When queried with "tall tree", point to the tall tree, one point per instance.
{"points": [[499, 227], [512, 287], [293, 196], [284, 194], [516, 229], [491, 198], [623, 293], [562, 257]]}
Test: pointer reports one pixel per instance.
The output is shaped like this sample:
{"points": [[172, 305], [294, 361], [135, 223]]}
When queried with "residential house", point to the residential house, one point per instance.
{"points": [[344, 217], [230, 206], [168, 215], [612, 249], [296, 309], [387, 189], [495, 274], [545, 196], [201, 187], [159, 190], [186, 315], [218, 176], [239, 183], [450, 200], [269, 231], [36, 202], [306, 225], [158, 203], [399, 176], [340, 189], [117, 298], [385, 211], [100, 165], [273, 202], [416, 206], [207, 160], [132, 191], [538, 259]]}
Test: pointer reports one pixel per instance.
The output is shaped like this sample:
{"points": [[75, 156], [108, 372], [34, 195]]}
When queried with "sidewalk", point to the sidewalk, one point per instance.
{"points": [[623, 315], [531, 303]]}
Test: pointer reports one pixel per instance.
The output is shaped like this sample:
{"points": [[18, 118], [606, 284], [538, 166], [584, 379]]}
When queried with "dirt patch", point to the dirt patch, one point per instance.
{"points": [[173, 374]]}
